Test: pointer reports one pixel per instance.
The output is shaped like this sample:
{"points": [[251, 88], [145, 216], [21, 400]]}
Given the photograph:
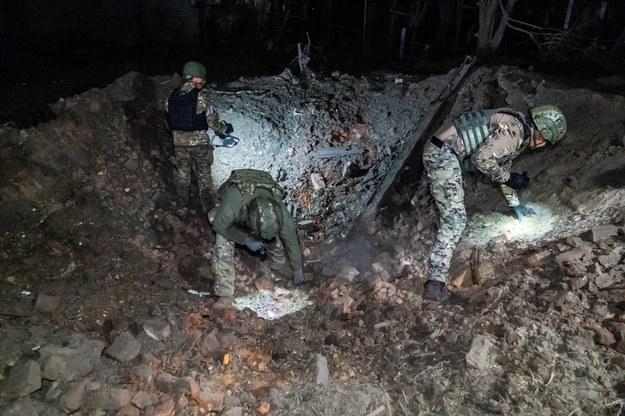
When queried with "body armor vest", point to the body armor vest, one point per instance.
{"points": [[181, 114], [248, 180], [474, 127]]}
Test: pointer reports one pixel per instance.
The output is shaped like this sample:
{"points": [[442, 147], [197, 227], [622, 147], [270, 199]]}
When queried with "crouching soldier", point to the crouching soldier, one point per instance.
{"points": [[251, 213]]}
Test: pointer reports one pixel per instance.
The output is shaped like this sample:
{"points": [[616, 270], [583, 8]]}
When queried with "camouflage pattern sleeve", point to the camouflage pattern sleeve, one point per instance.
{"points": [[228, 215], [288, 236], [212, 117], [511, 196], [503, 144]]}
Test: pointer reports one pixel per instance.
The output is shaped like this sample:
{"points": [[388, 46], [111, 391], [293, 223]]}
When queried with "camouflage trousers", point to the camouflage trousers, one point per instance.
{"points": [[198, 160], [223, 261], [447, 188]]}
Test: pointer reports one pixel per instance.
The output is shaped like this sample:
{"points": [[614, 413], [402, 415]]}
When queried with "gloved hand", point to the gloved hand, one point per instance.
{"points": [[518, 180], [227, 131], [254, 244], [298, 277], [522, 211]]}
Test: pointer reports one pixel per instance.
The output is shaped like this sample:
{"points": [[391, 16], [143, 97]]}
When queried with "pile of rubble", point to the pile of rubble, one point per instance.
{"points": [[102, 284]]}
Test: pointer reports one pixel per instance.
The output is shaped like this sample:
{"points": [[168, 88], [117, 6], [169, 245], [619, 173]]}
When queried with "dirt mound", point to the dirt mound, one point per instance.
{"points": [[101, 290]]}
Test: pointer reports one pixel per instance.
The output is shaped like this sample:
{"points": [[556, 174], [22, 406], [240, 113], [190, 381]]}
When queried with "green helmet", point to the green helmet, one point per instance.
{"points": [[550, 122], [194, 69], [264, 217]]}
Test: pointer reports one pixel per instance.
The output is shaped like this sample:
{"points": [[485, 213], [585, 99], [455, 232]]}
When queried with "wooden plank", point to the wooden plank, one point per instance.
{"points": [[456, 79]]}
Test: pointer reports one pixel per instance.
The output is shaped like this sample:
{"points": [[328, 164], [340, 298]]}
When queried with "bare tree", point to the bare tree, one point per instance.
{"points": [[493, 17]]}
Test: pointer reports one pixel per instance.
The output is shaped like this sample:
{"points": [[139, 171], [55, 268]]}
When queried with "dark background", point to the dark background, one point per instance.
{"points": [[55, 48]]}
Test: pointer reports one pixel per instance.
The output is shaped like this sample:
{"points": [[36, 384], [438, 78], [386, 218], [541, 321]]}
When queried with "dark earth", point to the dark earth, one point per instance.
{"points": [[97, 317]]}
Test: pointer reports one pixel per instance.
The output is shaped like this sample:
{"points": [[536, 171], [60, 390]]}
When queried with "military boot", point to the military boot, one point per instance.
{"points": [[223, 303], [434, 290]]}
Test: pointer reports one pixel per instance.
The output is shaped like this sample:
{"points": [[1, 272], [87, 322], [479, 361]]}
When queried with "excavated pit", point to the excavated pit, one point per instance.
{"points": [[93, 255]]}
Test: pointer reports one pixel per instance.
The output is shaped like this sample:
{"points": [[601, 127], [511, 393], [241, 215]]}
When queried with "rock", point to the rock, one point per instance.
{"points": [[23, 379], [263, 282], [20, 407], [601, 232], [609, 260], [47, 303], [317, 181], [604, 337], [576, 255], [157, 329], [477, 357], [143, 373], [459, 279], [166, 382], [235, 411], [109, 398], [604, 280], [348, 273], [165, 408], [538, 259], [75, 396], [319, 367], [211, 347], [67, 364], [11, 341], [144, 399], [125, 348], [128, 411], [424, 223], [617, 328], [214, 401]]}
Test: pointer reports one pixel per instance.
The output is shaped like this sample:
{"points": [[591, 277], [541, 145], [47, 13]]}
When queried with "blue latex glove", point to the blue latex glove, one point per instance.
{"points": [[298, 277], [254, 244], [522, 211], [518, 180]]}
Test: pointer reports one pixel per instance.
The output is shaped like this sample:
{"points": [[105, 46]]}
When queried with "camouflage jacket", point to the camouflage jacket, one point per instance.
{"points": [[199, 138], [230, 222], [506, 140]]}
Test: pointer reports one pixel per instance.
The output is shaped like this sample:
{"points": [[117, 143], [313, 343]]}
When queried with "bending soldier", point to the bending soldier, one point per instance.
{"points": [[251, 213], [488, 140]]}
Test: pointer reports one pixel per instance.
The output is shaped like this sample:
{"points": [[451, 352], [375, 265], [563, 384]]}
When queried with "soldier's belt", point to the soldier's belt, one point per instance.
{"points": [[441, 145]]}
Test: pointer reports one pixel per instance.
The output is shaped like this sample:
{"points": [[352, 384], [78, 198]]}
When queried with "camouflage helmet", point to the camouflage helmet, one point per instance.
{"points": [[550, 121], [194, 69], [264, 217]]}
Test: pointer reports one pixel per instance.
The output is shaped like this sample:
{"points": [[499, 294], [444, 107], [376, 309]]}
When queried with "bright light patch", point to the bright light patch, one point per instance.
{"points": [[483, 229], [273, 304]]}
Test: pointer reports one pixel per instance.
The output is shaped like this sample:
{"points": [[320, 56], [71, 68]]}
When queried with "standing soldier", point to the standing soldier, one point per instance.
{"points": [[488, 140], [189, 116], [251, 213]]}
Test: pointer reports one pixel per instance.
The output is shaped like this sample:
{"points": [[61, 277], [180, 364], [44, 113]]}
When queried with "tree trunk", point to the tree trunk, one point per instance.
{"points": [[489, 38], [391, 28], [364, 29], [619, 46], [459, 10], [487, 14], [569, 11], [418, 9], [498, 36], [445, 13]]}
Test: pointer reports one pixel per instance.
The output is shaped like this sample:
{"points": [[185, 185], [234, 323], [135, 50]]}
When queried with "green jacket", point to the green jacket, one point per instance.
{"points": [[230, 222]]}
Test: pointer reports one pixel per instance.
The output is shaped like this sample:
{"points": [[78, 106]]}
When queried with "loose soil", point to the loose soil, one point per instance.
{"points": [[92, 250]]}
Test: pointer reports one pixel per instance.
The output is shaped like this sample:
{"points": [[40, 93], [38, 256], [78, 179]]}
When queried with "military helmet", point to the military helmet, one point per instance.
{"points": [[194, 69], [550, 121], [264, 217]]}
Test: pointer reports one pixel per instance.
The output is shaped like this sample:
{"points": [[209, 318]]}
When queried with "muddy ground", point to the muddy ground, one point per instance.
{"points": [[101, 308]]}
